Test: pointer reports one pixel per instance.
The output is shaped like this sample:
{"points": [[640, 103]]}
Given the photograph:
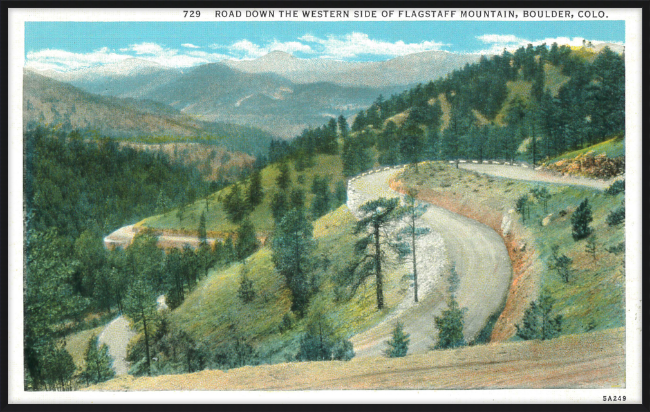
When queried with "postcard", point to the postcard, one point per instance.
{"points": [[325, 205]]}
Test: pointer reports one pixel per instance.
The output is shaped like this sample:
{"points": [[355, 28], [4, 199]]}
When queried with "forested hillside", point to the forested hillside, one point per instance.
{"points": [[75, 191], [565, 98]]}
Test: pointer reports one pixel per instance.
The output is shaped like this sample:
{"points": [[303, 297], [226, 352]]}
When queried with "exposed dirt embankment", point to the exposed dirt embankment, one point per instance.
{"points": [[495, 213]]}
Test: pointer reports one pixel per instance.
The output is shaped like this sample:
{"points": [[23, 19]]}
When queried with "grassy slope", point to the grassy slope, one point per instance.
{"points": [[592, 360], [213, 305], [596, 292], [261, 217], [613, 147], [77, 343]]}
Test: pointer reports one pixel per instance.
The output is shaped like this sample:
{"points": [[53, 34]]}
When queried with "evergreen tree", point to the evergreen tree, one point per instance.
{"points": [[399, 342], [616, 216], [279, 207], [580, 220], [284, 178], [140, 306], [344, 129], [412, 212], [246, 291], [560, 263], [321, 203], [255, 194], [203, 234], [591, 245], [450, 326], [538, 322], [341, 193], [247, 242], [234, 205], [98, 363], [378, 214], [454, 280], [297, 199], [411, 149], [293, 247]]}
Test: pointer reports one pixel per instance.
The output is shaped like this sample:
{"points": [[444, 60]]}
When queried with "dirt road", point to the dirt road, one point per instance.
{"points": [[537, 175], [477, 251], [116, 336], [123, 237]]}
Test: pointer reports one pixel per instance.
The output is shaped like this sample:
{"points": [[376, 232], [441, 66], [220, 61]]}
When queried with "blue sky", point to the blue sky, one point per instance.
{"points": [[66, 46]]}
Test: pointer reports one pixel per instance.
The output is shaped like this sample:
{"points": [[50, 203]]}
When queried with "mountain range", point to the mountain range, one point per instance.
{"points": [[48, 101], [278, 93]]}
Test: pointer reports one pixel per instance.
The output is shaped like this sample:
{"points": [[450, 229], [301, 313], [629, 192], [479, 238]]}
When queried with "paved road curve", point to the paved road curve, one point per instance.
{"points": [[116, 335], [481, 260], [537, 175]]}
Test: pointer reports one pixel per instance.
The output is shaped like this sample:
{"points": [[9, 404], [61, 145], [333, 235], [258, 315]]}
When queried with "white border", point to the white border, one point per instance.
{"points": [[17, 18]]}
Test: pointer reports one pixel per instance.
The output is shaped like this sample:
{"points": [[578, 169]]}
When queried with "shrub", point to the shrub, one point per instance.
{"points": [[616, 249], [450, 327], [616, 188], [398, 345], [343, 350], [560, 263], [616, 216]]}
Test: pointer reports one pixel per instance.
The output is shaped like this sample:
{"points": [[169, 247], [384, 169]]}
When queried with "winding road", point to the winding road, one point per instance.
{"points": [[477, 251], [537, 175]]}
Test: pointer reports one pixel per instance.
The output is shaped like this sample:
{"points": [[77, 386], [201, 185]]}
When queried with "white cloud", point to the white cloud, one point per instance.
{"points": [[355, 44], [149, 48], [245, 49], [61, 60], [190, 46], [499, 38]]}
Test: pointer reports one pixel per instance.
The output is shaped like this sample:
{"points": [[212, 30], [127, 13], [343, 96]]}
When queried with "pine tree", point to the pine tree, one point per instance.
{"points": [[538, 322], [98, 363], [246, 291], [344, 129], [561, 263], [279, 207], [580, 220], [284, 178], [378, 214], [591, 245], [398, 343], [247, 242], [140, 306], [255, 194], [203, 235], [293, 246], [450, 326], [234, 205], [297, 199], [412, 212]]}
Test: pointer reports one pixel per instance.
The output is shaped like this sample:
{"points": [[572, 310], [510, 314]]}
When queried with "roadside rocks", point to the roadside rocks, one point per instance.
{"points": [[590, 165]]}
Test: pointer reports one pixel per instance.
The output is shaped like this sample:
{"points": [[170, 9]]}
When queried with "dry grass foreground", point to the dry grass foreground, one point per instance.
{"points": [[590, 360]]}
